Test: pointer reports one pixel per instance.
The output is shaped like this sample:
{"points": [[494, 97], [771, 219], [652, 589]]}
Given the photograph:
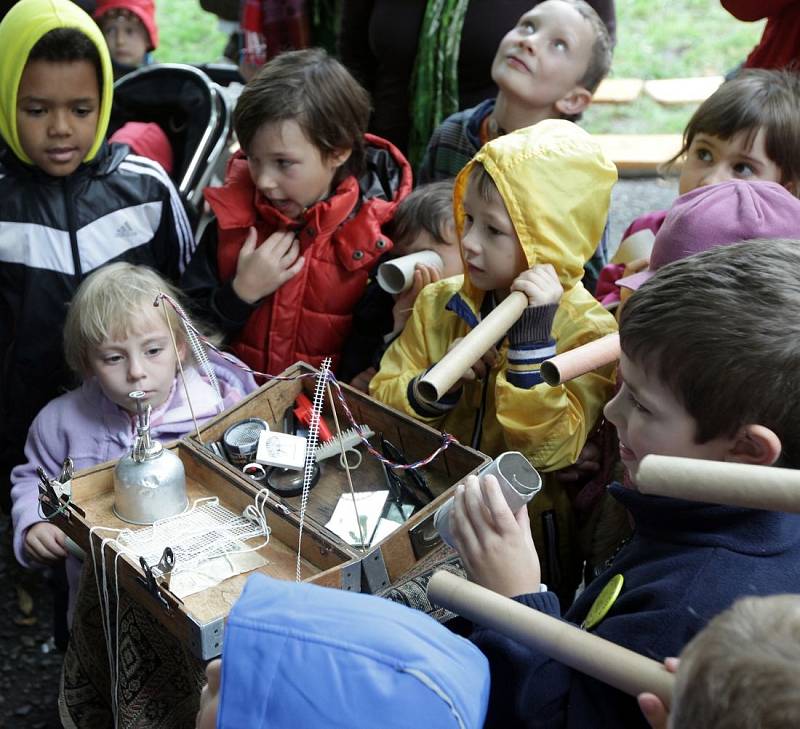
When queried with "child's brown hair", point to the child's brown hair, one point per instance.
{"points": [[429, 208], [319, 93], [720, 330], [755, 99]]}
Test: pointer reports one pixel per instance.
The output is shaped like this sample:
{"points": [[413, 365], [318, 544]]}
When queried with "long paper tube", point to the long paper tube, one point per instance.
{"points": [[579, 361], [471, 348], [590, 654], [718, 482]]}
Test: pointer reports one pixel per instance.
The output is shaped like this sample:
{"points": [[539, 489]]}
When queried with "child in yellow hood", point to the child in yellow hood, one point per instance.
{"points": [[529, 209]]}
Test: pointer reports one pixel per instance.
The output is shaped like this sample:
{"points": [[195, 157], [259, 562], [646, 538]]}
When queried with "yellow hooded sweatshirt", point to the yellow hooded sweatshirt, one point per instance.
{"points": [[23, 27], [556, 185]]}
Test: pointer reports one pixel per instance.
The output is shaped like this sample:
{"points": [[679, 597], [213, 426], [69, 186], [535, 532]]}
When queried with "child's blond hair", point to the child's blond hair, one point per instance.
{"points": [[109, 306], [740, 672]]}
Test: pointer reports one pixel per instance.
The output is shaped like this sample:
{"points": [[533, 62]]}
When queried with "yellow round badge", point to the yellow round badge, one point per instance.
{"points": [[602, 604]]}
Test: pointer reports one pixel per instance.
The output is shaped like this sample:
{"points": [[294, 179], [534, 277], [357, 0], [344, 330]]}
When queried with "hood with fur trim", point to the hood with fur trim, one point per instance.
{"points": [[556, 184], [20, 31]]}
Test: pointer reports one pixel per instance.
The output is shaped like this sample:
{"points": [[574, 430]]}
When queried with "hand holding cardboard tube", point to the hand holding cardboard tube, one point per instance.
{"points": [[590, 654], [397, 275], [720, 482], [471, 348], [576, 362]]}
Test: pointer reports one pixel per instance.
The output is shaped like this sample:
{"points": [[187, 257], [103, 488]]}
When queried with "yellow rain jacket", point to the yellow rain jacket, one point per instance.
{"points": [[556, 184]]}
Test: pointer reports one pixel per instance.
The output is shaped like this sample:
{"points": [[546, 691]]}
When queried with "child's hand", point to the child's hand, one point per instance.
{"points": [[496, 546], [478, 371], [652, 707], [262, 271], [362, 379], [540, 284], [585, 467], [404, 302], [44, 542]]}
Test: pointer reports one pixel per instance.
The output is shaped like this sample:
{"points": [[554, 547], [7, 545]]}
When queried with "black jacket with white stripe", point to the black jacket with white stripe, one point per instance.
{"points": [[53, 233]]}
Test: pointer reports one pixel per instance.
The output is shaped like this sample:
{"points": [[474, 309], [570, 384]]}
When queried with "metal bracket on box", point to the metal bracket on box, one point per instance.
{"points": [[351, 577], [374, 576], [206, 643]]}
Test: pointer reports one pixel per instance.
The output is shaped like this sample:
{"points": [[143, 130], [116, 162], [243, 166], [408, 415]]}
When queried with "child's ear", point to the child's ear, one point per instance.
{"points": [[756, 445], [574, 102], [339, 156], [449, 233]]}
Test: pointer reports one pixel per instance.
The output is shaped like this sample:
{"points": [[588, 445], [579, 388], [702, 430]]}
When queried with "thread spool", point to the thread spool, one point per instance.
{"points": [[240, 440]]}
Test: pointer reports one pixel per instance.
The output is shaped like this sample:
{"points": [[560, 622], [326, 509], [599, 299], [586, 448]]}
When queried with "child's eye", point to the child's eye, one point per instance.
{"points": [[743, 169], [83, 111], [703, 154], [112, 359], [34, 111], [494, 231], [527, 27], [560, 45], [154, 351], [284, 163], [636, 404]]}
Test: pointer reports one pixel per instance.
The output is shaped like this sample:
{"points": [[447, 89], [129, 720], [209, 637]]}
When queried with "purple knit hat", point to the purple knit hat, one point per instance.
{"points": [[719, 215]]}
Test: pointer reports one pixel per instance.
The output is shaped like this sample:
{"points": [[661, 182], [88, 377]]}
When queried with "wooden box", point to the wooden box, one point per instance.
{"points": [[198, 619], [326, 559], [385, 562]]}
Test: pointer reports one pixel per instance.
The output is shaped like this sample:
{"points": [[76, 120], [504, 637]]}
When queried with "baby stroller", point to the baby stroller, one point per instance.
{"points": [[195, 113]]}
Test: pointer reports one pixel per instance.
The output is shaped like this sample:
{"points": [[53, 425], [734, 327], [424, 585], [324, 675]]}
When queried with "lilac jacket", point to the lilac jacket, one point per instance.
{"points": [[87, 426]]}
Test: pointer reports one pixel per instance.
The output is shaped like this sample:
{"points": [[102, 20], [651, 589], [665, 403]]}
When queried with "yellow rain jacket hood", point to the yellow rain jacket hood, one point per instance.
{"points": [[556, 184], [20, 30]]}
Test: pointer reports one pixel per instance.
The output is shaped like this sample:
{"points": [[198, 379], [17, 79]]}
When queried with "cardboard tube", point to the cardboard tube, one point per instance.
{"points": [[471, 348], [587, 653], [576, 362], [397, 275], [719, 482]]}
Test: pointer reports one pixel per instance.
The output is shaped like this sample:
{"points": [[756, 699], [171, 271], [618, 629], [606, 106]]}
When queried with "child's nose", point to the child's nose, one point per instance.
{"points": [[265, 180], [714, 175], [60, 125], [135, 369], [470, 243], [614, 410]]}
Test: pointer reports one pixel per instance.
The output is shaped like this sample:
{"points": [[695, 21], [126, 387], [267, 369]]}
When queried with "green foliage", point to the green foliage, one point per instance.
{"points": [[188, 34]]}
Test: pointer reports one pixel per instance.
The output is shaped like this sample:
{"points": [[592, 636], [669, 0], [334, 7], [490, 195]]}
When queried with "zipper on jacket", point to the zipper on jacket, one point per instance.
{"points": [[550, 531], [71, 227]]}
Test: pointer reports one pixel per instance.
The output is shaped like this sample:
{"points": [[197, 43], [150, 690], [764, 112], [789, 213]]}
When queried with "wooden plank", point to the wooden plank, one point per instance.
{"points": [[672, 91], [640, 153], [618, 91]]}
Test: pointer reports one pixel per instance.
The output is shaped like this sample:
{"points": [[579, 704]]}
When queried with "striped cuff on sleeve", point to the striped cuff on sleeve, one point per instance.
{"points": [[427, 409], [530, 345]]}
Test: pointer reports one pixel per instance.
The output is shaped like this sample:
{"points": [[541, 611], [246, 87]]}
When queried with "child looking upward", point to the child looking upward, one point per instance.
{"points": [[69, 203], [299, 219], [529, 209], [130, 29], [546, 67], [696, 341]]}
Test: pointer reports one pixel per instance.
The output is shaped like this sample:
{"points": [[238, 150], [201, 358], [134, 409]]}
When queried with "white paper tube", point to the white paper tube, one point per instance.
{"points": [[719, 482], [606, 661], [397, 275], [576, 362], [636, 246], [471, 348]]}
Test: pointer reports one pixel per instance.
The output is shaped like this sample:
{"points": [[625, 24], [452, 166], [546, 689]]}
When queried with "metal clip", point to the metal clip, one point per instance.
{"points": [[165, 565], [149, 583]]}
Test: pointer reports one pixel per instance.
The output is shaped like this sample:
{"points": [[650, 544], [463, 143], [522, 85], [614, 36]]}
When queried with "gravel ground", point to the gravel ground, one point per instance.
{"points": [[29, 675]]}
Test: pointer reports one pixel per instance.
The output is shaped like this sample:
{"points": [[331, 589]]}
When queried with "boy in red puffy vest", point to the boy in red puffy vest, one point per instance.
{"points": [[299, 217]]}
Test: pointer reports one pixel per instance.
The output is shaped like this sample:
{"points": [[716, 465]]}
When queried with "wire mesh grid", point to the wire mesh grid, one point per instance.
{"points": [[208, 530]]}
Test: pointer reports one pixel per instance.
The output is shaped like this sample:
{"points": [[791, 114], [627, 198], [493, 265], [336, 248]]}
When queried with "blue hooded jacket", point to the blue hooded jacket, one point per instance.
{"points": [[299, 655]]}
